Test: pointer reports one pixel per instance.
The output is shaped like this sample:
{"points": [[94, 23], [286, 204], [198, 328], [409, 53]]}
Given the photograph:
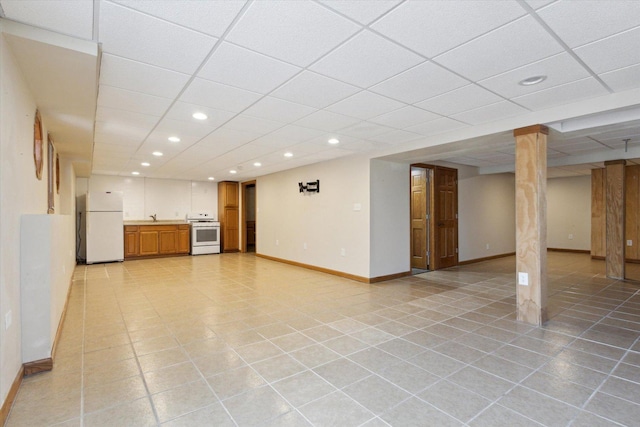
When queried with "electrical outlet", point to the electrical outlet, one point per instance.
{"points": [[277, 242], [487, 246], [343, 252], [7, 320], [177, 214], [523, 279], [357, 206], [570, 236], [629, 242], [304, 246]]}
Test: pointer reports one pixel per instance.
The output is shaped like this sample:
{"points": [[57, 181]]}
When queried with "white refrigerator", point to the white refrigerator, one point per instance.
{"points": [[104, 224]]}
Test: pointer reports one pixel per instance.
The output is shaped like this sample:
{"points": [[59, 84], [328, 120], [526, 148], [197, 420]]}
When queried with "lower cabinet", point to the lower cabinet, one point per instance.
{"points": [[156, 240]]}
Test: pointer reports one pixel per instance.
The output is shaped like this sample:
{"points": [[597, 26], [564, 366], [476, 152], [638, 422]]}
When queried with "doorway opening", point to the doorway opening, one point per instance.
{"points": [[434, 217], [249, 216]]}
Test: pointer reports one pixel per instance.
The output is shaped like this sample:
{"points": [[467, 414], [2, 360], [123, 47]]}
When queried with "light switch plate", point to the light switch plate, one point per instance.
{"points": [[523, 279]]}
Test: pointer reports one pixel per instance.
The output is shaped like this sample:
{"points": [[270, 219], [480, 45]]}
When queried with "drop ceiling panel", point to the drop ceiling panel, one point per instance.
{"points": [[187, 132], [501, 50], [615, 52], [208, 17], [559, 69], [365, 105], [227, 138], [126, 124], [326, 121], [64, 16], [289, 30], [137, 76], [271, 108], [437, 126], [395, 137], [581, 22], [254, 125], [365, 130], [314, 90], [242, 74], [154, 41], [425, 26], [358, 61], [466, 98], [216, 95], [563, 94], [184, 112], [490, 113], [623, 78], [404, 117], [419, 83], [363, 12], [136, 102], [295, 134]]}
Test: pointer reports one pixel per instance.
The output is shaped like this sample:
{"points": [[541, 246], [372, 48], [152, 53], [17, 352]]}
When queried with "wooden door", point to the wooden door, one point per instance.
{"points": [[168, 241], [419, 212], [446, 217], [148, 243]]}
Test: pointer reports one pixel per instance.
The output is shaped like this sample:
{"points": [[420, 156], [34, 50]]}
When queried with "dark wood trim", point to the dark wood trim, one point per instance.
{"points": [[601, 258], [336, 272], [11, 396], [632, 261], [37, 366], [615, 162], [487, 258], [575, 251], [61, 322], [531, 129], [243, 214]]}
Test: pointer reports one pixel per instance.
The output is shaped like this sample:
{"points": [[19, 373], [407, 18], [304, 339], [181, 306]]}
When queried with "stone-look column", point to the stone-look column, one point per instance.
{"points": [[531, 223], [614, 188]]}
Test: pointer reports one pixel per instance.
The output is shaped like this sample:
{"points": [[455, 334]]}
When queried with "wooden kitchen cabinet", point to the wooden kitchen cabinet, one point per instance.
{"points": [[229, 215], [156, 240]]}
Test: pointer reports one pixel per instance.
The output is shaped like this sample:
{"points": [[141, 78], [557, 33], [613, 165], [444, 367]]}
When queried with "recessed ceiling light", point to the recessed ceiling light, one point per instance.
{"points": [[135, 173], [199, 116], [534, 80], [145, 164], [257, 164], [233, 171], [211, 178], [288, 154], [333, 141], [174, 139], [157, 153]]}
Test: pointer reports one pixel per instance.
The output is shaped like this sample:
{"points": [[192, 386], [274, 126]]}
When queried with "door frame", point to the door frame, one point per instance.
{"points": [[430, 227], [243, 213]]}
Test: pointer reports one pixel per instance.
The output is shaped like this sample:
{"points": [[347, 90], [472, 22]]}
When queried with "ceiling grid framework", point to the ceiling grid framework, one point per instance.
{"points": [[383, 76]]}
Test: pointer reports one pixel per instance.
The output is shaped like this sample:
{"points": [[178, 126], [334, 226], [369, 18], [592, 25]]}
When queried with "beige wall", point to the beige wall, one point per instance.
{"points": [[21, 193], [569, 212]]}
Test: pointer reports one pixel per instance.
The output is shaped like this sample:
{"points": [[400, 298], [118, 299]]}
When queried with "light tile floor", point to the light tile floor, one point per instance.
{"points": [[232, 339]]}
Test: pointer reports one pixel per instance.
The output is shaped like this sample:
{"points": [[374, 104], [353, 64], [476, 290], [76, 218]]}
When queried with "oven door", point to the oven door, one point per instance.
{"points": [[205, 234]]}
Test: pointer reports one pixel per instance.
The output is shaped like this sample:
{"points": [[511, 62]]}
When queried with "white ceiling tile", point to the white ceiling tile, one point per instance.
{"points": [[459, 100], [619, 51], [395, 137], [314, 90], [501, 50], [271, 108], [136, 102], [360, 61], [298, 32], [126, 124], [188, 133], [426, 26], [216, 95], [404, 117], [581, 22], [133, 75], [115, 149], [70, 17], [184, 112], [364, 130], [419, 83], [564, 94], [296, 134], [365, 105], [223, 140], [326, 121], [537, 4], [154, 41], [437, 126], [209, 17], [359, 145], [363, 12], [559, 69], [106, 138], [490, 113], [242, 74], [256, 125], [623, 78]]}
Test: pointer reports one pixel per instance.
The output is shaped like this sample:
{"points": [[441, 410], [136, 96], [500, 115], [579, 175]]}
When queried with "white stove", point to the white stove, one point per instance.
{"points": [[205, 233]]}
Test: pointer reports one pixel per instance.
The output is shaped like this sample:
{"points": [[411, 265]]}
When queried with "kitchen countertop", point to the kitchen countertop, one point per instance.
{"points": [[158, 222]]}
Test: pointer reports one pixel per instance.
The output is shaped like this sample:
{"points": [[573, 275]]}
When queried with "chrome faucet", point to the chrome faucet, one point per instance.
{"points": [[154, 217]]}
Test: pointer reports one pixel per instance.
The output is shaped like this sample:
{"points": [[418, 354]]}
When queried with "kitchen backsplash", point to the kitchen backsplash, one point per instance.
{"points": [[166, 198]]}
